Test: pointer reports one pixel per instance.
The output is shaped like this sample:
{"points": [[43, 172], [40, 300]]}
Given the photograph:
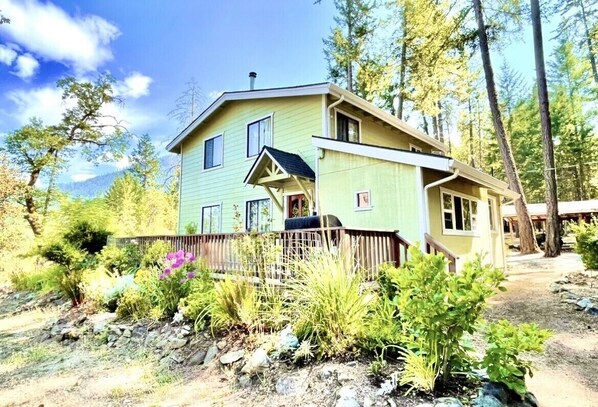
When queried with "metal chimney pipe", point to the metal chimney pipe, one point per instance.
{"points": [[252, 76]]}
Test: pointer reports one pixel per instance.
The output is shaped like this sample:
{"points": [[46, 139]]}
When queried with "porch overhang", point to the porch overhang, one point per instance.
{"points": [[276, 169]]}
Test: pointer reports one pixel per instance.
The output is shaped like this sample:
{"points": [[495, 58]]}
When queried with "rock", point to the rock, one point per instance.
{"points": [[447, 402], [287, 340], [481, 374], [568, 295], [115, 330], [585, 303], [288, 385], [556, 288], [221, 344], [592, 311], [347, 397], [487, 401], [196, 358], [326, 372], [81, 319], [138, 334], [150, 339], [176, 343], [178, 318], [122, 341], [232, 357], [344, 377], [210, 354], [127, 333], [244, 380], [259, 362], [368, 402], [498, 395], [176, 356], [56, 329], [425, 405], [387, 386]]}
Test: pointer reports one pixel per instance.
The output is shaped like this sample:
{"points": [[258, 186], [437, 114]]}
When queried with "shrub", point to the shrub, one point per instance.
{"points": [[437, 308], [236, 303], [87, 237], [328, 305], [175, 280], [382, 326], [62, 253], [69, 281], [258, 252], [155, 254], [507, 342], [196, 305], [191, 228], [112, 294], [120, 260], [586, 243], [133, 303]]}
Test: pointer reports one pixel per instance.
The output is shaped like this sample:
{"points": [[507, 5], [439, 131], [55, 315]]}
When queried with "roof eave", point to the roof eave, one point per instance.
{"points": [[484, 179]]}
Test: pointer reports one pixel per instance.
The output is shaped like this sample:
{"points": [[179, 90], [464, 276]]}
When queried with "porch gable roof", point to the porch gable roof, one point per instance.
{"points": [[288, 164]]}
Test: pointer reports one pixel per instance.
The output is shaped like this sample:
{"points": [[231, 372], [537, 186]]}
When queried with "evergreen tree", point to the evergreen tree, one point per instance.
{"points": [[145, 164]]}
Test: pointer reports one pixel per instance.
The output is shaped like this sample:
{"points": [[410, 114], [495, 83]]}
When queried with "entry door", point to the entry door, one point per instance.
{"points": [[297, 206]]}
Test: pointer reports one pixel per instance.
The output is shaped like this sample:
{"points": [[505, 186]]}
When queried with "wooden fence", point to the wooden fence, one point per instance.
{"points": [[433, 246], [220, 252]]}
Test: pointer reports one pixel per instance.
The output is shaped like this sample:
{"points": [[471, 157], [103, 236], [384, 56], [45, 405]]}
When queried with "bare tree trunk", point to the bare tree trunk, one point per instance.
{"points": [[589, 43], [32, 216], [435, 126], [440, 126], [403, 69], [350, 63], [470, 125], [527, 241], [426, 128], [552, 246]]}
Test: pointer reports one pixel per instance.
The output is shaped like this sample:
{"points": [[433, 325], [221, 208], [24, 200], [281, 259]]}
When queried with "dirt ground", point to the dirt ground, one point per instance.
{"points": [[568, 371], [35, 373]]}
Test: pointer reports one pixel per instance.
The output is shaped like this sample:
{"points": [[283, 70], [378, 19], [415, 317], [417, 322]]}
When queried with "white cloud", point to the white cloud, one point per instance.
{"points": [[7, 55], [123, 163], [134, 86], [79, 177], [45, 103], [81, 42], [26, 66]]}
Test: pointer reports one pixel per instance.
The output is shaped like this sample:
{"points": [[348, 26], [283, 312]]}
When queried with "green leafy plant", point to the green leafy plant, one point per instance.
{"points": [[87, 237], [236, 303], [328, 305], [586, 243], [382, 325], [133, 303], [175, 279], [507, 343], [437, 307], [191, 228], [155, 254], [120, 260], [419, 371], [196, 305]]}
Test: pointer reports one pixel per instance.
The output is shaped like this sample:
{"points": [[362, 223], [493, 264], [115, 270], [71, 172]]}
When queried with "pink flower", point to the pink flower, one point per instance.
{"points": [[178, 263], [189, 257], [180, 254], [170, 256], [167, 272], [190, 275], [161, 276]]}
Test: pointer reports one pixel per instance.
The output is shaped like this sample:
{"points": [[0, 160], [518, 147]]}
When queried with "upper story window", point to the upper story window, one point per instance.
{"points": [[259, 134], [492, 211], [414, 148], [212, 152], [347, 128], [459, 213]]}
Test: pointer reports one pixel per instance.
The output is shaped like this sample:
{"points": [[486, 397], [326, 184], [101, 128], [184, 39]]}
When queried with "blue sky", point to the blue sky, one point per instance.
{"points": [[153, 48]]}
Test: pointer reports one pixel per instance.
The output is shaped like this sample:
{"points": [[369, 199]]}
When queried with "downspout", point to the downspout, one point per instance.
{"points": [[327, 134], [432, 185], [181, 190]]}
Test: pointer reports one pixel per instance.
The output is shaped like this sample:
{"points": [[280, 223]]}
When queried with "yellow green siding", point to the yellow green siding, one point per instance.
{"points": [[294, 121], [392, 189], [466, 247], [374, 132]]}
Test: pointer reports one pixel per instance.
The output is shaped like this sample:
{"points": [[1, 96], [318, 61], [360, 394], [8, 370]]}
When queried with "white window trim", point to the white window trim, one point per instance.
{"points": [[417, 149], [438, 153], [496, 223], [204, 153], [455, 232], [356, 200], [271, 116], [357, 119], [259, 198], [219, 220]]}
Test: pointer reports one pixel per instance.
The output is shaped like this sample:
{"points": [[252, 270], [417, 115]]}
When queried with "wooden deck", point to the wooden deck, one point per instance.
{"points": [[370, 248]]}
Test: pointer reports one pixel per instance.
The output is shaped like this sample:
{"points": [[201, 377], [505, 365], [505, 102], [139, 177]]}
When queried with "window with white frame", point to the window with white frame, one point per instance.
{"points": [[362, 200], [459, 213], [210, 219], [258, 215], [212, 152], [259, 134], [347, 128]]}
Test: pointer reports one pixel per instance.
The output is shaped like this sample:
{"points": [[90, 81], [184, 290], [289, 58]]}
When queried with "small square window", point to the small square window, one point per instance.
{"points": [[362, 199], [347, 128]]}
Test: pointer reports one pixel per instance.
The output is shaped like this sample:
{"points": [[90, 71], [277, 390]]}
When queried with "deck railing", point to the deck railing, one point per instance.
{"points": [[370, 248], [433, 246]]}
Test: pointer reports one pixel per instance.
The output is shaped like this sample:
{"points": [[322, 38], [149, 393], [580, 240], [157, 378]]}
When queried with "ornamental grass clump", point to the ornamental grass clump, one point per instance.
{"points": [[328, 304]]}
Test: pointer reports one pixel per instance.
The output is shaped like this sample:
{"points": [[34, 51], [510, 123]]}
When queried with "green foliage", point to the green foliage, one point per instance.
{"points": [[63, 253], [121, 260], [236, 304], [35, 280], [327, 303], [69, 281], [144, 162], [155, 254], [258, 252], [87, 237], [586, 243], [382, 325], [437, 308], [196, 305], [419, 371], [507, 342], [134, 304], [191, 228], [175, 280]]}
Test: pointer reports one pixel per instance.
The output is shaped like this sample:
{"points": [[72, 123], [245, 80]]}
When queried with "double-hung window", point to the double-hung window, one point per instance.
{"points": [[347, 128], [212, 152], [492, 211], [259, 134], [459, 213], [210, 219], [258, 215]]}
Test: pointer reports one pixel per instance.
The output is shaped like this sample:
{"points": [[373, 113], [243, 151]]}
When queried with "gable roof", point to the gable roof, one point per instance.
{"points": [[303, 90], [290, 163]]}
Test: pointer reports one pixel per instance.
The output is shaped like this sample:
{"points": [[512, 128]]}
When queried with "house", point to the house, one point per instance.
{"points": [[254, 158]]}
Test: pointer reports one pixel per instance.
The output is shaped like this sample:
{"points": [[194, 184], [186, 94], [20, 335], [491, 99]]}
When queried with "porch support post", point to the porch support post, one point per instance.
{"points": [[276, 201]]}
